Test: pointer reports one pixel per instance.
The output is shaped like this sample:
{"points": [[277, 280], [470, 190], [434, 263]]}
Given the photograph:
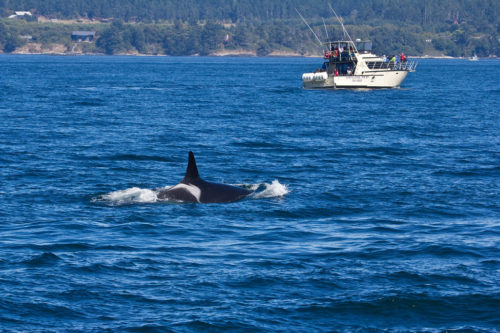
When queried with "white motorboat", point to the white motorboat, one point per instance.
{"points": [[349, 64], [352, 65]]}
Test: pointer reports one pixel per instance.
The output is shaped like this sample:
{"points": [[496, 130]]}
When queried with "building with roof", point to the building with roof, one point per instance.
{"points": [[83, 36]]}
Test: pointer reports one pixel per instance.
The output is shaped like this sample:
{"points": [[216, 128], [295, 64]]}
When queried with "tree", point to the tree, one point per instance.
{"points": [[242, 36], [12, 43], [212, 35], [263, 49], [138, 39], [3, 35], [111, 40], [456, 26]]}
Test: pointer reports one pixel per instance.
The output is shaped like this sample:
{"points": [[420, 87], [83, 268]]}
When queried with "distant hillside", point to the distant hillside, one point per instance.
{"points": [[424, 12], [448, 27]]}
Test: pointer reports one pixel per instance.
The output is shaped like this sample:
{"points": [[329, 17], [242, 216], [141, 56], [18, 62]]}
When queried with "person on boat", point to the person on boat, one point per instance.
{"points": [[392, 62], [336, 72], [403, 57], [349, 70]]}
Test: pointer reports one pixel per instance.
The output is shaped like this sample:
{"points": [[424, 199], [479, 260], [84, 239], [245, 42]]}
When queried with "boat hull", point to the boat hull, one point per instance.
{"points": [[382, 79]]}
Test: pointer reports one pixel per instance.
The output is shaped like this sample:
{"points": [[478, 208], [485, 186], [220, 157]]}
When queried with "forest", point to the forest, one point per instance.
{"points": [[188, 27]]}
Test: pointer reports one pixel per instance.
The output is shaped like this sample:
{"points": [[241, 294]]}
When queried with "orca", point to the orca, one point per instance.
{"points": [[194, 189]]}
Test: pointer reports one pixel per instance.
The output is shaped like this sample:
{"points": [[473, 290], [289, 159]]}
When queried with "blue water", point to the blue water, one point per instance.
{"points": [[375, 210]]}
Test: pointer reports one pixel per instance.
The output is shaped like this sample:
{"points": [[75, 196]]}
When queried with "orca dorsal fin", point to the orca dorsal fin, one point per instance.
{"points": [[192, 169]]}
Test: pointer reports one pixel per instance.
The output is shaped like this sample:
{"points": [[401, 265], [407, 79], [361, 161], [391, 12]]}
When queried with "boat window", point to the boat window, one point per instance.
{"points": [[364, 46], [378, 65]]}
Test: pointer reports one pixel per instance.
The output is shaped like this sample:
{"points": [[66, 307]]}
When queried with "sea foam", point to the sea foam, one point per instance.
{"points": [[273, 190], [130, 196]]}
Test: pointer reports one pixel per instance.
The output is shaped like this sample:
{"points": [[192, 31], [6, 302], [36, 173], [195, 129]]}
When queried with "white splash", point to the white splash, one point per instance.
{"points": [[273, 190], [130, 196]]}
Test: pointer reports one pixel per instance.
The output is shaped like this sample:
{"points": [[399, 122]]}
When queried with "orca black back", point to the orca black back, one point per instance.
{"points": [[194, 189]]}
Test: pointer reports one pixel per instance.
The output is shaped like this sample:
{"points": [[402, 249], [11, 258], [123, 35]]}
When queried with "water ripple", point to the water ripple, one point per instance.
{"points": [[374, 211]]}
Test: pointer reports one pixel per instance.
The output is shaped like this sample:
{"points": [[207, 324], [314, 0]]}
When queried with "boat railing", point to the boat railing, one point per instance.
{"points": [[395, 66], [409, 66]]}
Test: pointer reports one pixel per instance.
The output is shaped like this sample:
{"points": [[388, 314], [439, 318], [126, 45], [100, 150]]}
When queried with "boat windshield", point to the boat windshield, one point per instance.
{"points": [[364, 47], [338, 45]]}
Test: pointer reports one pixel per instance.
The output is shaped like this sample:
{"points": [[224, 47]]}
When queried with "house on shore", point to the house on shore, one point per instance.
{"points": [[83, 36]]}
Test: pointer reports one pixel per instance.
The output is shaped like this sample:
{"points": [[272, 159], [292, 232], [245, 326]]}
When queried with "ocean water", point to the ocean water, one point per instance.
{"points": [[374, 210]]}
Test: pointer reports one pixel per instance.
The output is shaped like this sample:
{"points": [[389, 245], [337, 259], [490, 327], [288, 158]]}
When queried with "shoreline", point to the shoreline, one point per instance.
{"points": [[214, 55], [248, 54], [58, 50]]}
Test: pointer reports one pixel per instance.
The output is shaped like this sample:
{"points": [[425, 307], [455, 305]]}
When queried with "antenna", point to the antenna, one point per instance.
{"points": [[327, 37], [309, 27], [343, 28]]}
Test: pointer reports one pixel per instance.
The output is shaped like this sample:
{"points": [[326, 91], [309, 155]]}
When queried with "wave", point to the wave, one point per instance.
{"points": [[198, 325], [138, 157], [88, 88], [469, 172], [273, 190], [136, 195], [129, 196], [46, 258], [414, 310], [48, 249], [124, 157], [89, 103], [138, 88]]}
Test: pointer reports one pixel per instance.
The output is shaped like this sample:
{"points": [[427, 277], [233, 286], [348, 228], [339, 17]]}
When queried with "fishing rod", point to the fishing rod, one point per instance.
{"points": [[343, 28], [304, 20], [326, 31]]}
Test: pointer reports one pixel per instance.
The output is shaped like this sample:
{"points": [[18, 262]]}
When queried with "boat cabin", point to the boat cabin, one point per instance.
{"points": [[340, 58]]}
